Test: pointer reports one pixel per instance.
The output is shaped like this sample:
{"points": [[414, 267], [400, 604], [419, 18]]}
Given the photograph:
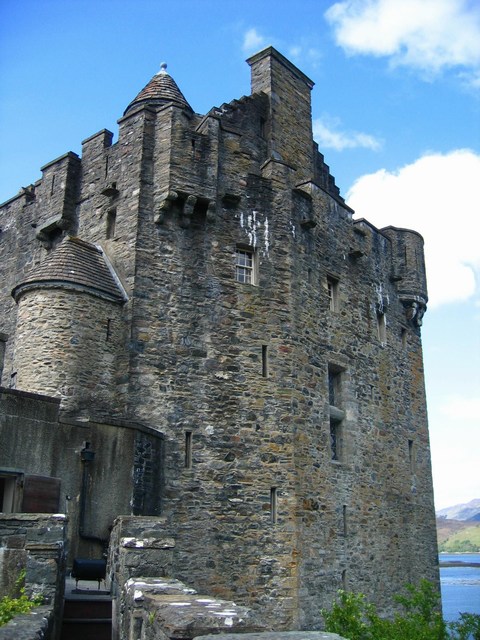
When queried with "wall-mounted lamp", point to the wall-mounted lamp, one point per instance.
{"points": [[87, 454]]}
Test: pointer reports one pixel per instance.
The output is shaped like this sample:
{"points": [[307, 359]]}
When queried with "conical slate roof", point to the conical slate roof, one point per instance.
{"points": [[162, 89], [75, 264]]}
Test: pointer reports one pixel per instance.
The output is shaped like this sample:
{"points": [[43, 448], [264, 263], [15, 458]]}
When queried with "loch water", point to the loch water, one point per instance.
{"points": [[460, 585]]}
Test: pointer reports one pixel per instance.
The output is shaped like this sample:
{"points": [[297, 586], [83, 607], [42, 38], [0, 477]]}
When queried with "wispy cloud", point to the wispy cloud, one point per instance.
{"points": [[305, 53], [434, 195], [301, 52], [429, 35], [253, 41], [327, 133]]}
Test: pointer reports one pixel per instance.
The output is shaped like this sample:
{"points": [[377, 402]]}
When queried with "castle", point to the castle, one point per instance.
{"points": [[194, 327]]}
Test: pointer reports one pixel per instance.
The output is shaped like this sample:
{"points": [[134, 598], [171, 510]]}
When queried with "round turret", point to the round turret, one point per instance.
{"points": [[69, 327], [409, 271]]}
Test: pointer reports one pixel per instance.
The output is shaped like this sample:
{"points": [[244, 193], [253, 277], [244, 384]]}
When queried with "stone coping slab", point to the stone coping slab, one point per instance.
{"points": [[186, 616], [275, 635], [179, 612]]}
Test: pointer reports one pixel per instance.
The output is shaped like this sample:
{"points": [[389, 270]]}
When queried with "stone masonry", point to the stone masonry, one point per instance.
{"points": [[35, 544], [203, 277]]}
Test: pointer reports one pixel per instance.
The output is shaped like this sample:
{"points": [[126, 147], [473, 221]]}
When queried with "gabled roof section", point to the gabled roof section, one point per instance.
{"points": [[76, 264], [162, 89]]}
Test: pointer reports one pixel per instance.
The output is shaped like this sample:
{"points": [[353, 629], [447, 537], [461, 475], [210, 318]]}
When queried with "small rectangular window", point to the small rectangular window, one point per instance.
{"points": [[245, 266], [332, 289], [273, 504], [188, 449]]}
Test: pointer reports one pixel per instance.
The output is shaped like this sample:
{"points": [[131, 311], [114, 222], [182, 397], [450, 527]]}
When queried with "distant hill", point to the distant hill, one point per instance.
{"points": [[468, 511], [458, 528]]}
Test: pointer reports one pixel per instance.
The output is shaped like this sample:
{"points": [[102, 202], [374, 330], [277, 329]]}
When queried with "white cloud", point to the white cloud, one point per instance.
{"points": [[429, 35], [304, 54], [437, 195], [455, 441], [326, 132], [253, 41], [460, 408]]}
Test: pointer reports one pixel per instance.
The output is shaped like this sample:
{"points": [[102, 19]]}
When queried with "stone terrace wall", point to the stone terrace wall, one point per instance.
{"points": [[36, 543], [159, 609], [36, 625]]}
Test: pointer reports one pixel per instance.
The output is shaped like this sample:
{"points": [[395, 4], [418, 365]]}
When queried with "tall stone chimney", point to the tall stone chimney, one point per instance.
{"points": [[289, 130]]}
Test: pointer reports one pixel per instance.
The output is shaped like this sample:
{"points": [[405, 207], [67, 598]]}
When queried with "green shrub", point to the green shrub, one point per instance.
{"points": [[468, 626], [12, 606], [354, 618]]}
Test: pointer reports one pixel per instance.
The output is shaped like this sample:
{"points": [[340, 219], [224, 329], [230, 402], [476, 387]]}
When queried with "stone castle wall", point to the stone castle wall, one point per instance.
{"points": [[296, 455]]}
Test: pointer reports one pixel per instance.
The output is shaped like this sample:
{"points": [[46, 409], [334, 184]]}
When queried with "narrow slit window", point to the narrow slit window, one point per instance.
{"points": [[273, 504], [335, 440], [263, 128], [188, 449], [108, 330], [344, 519], [382, 327], [111, 223], [411, 455], [344, 579], [265, 360]]}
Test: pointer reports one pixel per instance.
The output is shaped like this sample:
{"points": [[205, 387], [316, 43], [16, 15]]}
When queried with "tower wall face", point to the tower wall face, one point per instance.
{"points": [[67, 345], [268, 337]]}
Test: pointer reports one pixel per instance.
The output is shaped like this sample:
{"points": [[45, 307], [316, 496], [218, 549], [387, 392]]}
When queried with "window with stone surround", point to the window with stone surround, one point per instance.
{"points": [[336, 411], [111, 223], [382, 327], [332, 290], [245, 265]]}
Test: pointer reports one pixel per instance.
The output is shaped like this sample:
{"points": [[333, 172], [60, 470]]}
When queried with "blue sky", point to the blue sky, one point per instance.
{"points": [[396, 111]]}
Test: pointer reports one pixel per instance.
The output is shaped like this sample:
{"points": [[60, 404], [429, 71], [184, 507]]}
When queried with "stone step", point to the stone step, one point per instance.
{"points": [[87, 618]]}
